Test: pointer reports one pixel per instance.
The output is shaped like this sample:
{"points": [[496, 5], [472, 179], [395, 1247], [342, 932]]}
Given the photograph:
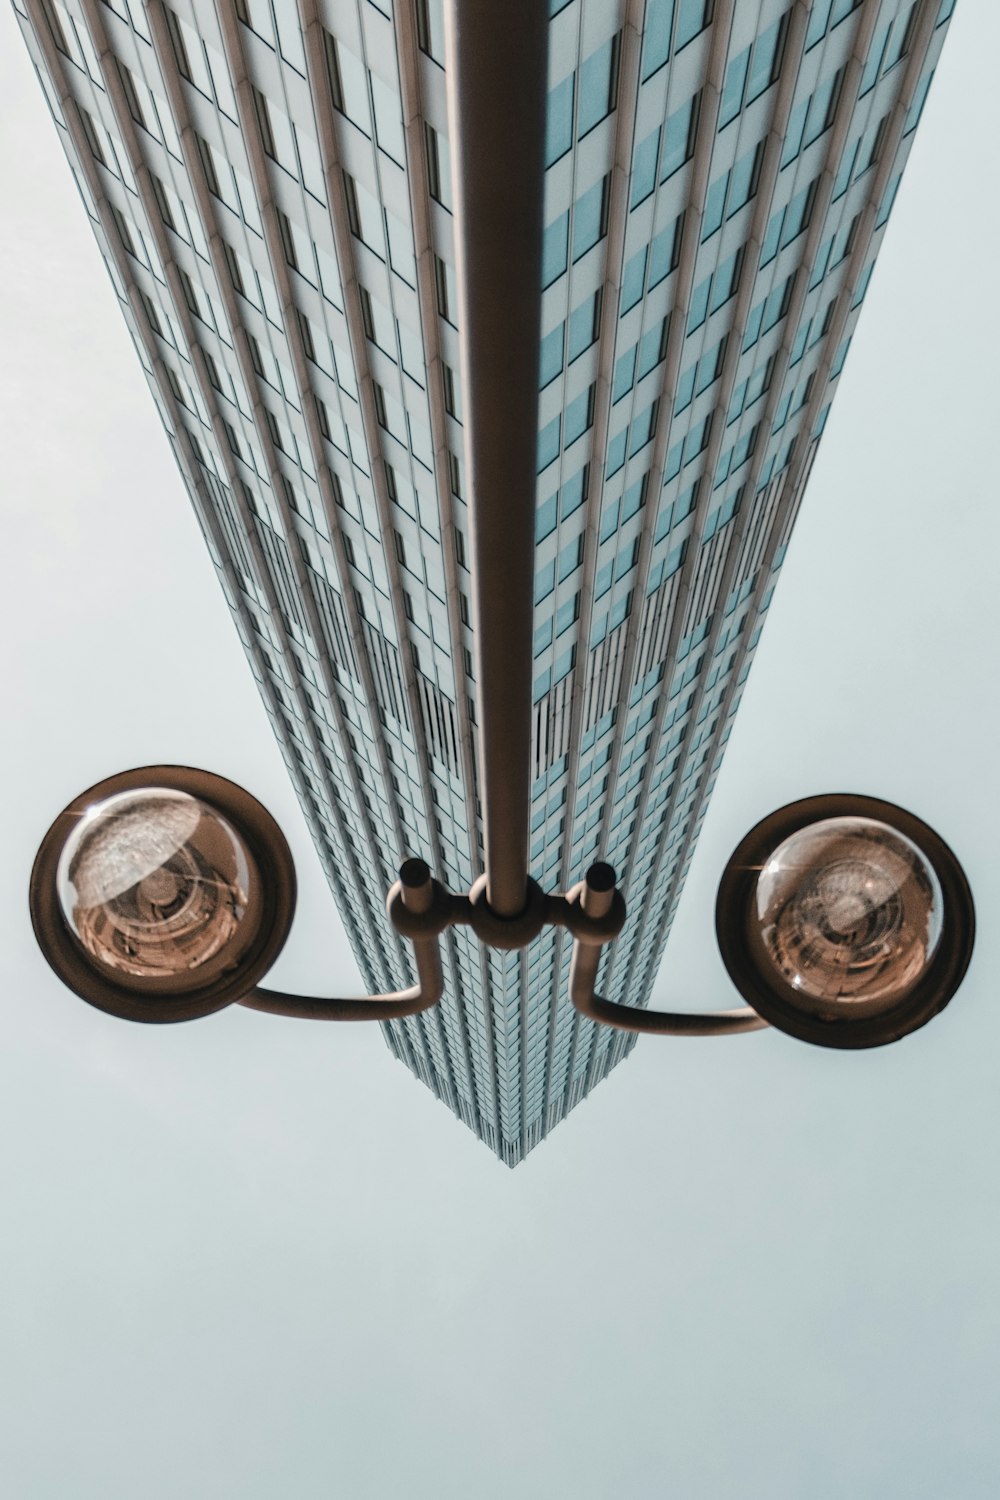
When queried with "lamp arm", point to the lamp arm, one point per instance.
{"points": [[597, 898], [392, 1007], [583, 975]]}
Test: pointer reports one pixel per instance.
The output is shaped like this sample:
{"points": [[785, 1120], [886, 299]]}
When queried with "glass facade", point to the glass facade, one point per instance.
{"points": [[269, 182]]}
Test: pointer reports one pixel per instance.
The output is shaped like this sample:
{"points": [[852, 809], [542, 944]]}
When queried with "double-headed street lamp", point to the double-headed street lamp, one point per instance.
{"points": [[166, 893]]}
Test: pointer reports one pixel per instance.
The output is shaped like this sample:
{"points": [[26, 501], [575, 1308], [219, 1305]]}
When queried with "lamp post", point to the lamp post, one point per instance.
{"points": [[164, 894]]}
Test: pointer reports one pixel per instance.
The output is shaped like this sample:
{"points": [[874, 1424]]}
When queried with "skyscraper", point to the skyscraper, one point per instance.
{"points": [[270, 185]]}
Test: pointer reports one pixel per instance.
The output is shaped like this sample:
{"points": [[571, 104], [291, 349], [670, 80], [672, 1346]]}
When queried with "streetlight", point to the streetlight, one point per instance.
{"points": [[166, 893]]}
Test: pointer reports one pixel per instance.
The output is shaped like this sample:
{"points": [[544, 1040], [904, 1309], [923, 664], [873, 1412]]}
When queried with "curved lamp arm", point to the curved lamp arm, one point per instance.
{"points": [[416, 891], [420, 996], [596, 895]]}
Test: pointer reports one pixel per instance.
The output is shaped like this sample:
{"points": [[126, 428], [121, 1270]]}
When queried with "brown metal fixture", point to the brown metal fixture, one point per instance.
{"points": [[166, 893], [99, 890], [496, 78], [845, 921]]}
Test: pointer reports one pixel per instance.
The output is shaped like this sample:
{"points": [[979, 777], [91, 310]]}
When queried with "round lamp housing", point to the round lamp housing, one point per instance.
{"points": [[162, 894], [845, 921]]}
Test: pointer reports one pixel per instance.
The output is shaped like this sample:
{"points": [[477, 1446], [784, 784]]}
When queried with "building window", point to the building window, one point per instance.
{"points": [[590, 218], [598, 86], [679, 135], [584, 326], [555, 250]]}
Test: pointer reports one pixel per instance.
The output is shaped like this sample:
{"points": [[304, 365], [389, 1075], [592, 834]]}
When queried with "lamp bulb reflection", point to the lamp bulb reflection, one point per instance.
{"points": [[156, 884], [849, 913]]}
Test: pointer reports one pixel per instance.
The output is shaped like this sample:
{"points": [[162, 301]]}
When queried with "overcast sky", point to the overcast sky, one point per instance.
{"points": [[253, 1258]]}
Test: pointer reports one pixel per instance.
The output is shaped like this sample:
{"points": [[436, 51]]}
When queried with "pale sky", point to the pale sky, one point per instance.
{"points": [[248, 1258]]}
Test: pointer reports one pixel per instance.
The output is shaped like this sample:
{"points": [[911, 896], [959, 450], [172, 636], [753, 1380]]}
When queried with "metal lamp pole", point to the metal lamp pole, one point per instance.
{"points": [[802, 935]]}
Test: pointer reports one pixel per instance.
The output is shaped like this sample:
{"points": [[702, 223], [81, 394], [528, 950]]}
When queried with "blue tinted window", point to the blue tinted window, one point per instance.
{"points": [[573, 493], [678, 138], [541, 685], [644, 168], [859, 295], [732, 89], [873, 65], [589, 219], [550, 361], [652, 349], [781, 415], [559, 120], [776, 306], [583, 326], [822, 261], [626, 559], [715, 207], [545, 519], [545, 581], [821, 108], [616, 453], [793, 135], [579, 416], [743, 182], [570, 558], [818, 22], [685, 505], [663, 521], [634, 498], [766, 60], [709, 367], [726, 280], [841, 10], [633, 279], [685, 390], [597, 86], [555, 247], [656, 35], [642, 430], [624, 376], [692, 17], [797, 214], [801, 339], [609, 519], [699, 305], [548, 443], [753, 327], [845, 171], [917, 107], [769, 247], [567, 614], [664, 252], [620, 612]]}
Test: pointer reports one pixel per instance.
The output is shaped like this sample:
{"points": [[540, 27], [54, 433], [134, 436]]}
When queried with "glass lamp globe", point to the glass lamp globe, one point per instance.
{"points": [[162, 894], [845, 921], [158, 885], [849, 913]]}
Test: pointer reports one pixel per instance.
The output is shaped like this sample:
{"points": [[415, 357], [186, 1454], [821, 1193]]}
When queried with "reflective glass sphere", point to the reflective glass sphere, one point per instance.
{"points": [[157, 885], [850, 915]]}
